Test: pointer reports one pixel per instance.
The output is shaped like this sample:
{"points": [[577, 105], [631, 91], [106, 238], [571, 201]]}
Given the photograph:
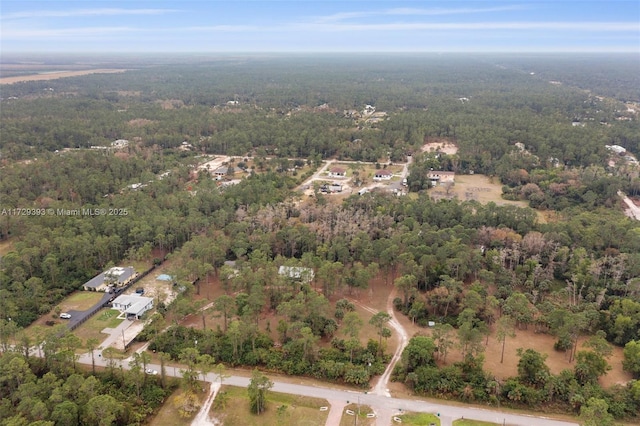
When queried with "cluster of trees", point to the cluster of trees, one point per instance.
{"points": [[534, 385], [57, 251], [242, 341], [52, 391], [278, 111], [570, 277]]}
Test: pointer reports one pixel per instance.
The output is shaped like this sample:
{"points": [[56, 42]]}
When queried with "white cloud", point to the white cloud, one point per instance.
{"points": [[26, 33], [415, 12], [84, 12], [477, 26]]}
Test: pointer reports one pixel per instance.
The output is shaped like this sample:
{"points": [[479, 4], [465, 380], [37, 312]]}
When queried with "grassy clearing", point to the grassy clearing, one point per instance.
{"points": [[282, 409], [363, 420], [81, 300], [106, 318], [420, 419], [467, 422]]}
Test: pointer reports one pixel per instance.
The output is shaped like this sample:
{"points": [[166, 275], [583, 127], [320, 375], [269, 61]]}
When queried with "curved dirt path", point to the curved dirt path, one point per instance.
{"points": [[381, 387]]}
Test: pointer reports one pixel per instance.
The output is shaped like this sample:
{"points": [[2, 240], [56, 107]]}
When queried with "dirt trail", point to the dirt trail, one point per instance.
{"points": [[381, 387], [202, 418]]}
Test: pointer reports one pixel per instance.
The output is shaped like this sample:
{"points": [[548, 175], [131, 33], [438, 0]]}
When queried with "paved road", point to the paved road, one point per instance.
{"points": [[380, 403]]}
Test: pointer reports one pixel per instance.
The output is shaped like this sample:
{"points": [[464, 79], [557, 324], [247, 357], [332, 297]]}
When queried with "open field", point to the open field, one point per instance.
{"points": [[282, 409], [420, 419], [52, 75], [480, 188]]}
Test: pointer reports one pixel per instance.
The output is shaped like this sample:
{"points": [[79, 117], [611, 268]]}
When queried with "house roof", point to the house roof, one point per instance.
{"points": [[337, 170], [122, 274], [383, 172], [133, 304]]}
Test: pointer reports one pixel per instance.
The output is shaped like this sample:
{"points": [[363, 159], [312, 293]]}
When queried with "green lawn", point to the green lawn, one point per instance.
{"points": [[106, 318], [419, 419], [467, 422], [282, 409], [82, 300]]}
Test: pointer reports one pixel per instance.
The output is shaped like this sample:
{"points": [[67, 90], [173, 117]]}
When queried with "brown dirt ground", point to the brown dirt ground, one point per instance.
{"points": [[56, 75], [440, 144], [6, 246], [526, 339]]}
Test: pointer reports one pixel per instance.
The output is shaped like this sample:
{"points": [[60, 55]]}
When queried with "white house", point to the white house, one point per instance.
{"points": [[383, 174], [337, 172], [132, 306]]}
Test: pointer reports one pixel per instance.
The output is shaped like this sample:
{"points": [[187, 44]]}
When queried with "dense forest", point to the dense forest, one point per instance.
{"points": [[469, 266]]}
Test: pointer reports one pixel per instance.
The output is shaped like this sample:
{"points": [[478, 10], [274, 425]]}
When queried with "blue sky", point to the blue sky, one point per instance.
{"points": [[320, 26]]}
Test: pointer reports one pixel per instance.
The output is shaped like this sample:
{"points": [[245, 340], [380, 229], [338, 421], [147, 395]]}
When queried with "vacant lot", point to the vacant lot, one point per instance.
{"points": [[168, 414], [526, 339], [282, 409], [480, 188], [52, 75]]}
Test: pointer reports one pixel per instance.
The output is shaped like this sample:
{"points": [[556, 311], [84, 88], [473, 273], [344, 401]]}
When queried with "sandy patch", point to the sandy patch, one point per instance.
{"points": [[440, 145], [55, 75], [202, 418]]}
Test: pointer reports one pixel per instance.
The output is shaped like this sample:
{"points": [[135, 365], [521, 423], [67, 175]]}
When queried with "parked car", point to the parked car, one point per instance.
{"points": [[139, 290], [151, 372], [65, 315]]}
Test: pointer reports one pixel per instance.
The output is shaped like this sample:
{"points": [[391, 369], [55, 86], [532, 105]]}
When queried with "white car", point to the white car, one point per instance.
{"points": [[65, 315], [152, 372]]}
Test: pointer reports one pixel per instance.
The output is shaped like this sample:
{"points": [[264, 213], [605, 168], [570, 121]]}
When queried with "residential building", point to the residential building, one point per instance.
{"points": [[439, 177], [337, 172], [383, 174], [132, 306], [114, 277]]}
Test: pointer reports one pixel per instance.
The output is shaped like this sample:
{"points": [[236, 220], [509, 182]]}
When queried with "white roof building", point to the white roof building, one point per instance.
{"points": [[132, 305]]}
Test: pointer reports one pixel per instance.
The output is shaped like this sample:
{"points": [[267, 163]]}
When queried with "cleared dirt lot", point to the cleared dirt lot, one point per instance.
{"points": [[55, 75]]}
